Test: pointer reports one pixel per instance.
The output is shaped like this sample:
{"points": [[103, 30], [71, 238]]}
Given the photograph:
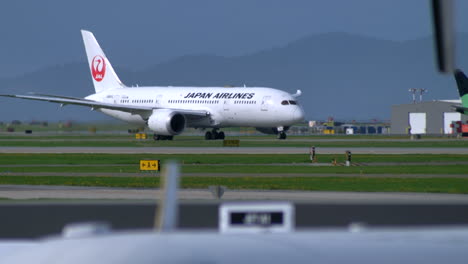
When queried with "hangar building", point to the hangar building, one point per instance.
{"points": [[432, 117]]}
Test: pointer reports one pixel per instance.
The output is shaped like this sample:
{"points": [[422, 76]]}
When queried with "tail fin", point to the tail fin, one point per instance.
{"points": [[462, 83], [104, 76]]}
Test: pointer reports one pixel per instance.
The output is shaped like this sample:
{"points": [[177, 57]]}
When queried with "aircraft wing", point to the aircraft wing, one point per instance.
{"points": [[56, 96], [140, 110]]}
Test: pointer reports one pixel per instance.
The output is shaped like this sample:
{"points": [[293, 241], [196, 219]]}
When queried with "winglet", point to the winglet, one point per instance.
{"points": [[297, 94]]}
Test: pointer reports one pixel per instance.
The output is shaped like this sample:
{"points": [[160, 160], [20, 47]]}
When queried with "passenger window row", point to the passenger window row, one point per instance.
{"points": [[137, 101], [193, 101], [245, 102]]}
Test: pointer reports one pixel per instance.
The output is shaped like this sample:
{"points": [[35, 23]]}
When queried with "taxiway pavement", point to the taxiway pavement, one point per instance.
{"points": [[232, 150], [99, 193]]}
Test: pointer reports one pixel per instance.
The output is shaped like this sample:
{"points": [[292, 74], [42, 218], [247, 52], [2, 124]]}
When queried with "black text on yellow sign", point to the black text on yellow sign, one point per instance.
{"points": [[149, 165], [231, 143], [140, 136]]}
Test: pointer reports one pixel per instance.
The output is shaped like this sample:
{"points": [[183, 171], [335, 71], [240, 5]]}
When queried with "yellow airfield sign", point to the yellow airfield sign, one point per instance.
{"points": [[149, 165], [231, 143], [140, 136]]}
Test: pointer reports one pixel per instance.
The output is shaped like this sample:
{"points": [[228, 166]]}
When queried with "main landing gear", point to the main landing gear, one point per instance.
{"points": [[160, 137], [210, 135], [281, 135]]}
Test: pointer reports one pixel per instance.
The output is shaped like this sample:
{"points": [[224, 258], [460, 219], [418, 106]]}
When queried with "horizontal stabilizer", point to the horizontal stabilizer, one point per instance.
{"points": [[460, 109]]}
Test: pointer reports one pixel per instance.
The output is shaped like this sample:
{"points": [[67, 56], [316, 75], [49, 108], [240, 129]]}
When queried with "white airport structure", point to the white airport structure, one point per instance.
{"points": [[432, 117]]}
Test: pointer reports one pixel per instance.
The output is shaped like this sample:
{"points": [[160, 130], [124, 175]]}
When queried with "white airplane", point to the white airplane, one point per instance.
{"points": [[168, 110]]}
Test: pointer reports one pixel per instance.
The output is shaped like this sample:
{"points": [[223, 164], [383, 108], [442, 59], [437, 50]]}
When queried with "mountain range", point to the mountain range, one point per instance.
{"points": [[348, 77]]}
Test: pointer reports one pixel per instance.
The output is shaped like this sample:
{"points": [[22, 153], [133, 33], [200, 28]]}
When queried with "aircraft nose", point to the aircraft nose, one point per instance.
{"points": [[298, 114]]}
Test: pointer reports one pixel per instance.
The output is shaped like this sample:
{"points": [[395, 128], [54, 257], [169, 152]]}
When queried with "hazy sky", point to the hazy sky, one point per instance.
{"points": [[137, 33]]}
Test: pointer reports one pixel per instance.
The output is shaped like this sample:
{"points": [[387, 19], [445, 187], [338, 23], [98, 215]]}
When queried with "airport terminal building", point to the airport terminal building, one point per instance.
{"points": [[432, 117]]}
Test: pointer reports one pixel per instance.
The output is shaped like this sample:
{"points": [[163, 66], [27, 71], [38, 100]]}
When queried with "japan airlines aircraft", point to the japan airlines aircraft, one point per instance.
{"points": [[168, 110]]}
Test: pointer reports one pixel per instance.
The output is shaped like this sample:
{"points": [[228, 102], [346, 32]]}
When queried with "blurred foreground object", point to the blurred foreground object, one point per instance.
{"points": [[442, 13]]}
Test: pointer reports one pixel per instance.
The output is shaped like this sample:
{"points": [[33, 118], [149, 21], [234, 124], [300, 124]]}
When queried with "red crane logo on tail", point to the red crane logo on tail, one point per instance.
{"points": [[98, 68]]}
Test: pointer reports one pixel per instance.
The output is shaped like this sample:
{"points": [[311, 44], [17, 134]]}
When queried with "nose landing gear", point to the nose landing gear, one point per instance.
{"points": [[281, 132]]}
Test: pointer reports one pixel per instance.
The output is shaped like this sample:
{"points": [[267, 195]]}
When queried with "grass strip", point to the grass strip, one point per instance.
{"points": [[126, 159], [397, 170], [429, 185], [409, 169]]}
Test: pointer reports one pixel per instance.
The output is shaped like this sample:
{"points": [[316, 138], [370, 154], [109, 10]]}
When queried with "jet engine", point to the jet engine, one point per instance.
{"points": [[166, 122]]}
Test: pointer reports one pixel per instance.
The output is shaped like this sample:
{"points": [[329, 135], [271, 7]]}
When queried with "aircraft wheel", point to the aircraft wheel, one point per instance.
{"points": [[156, 137], [282, 135], [221, 135], [208, 135], [170, 137]]}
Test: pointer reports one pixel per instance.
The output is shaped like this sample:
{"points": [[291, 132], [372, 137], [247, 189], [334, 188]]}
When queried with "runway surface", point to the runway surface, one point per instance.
{"points": [[99, 193], [46, 218], [231, 150]]}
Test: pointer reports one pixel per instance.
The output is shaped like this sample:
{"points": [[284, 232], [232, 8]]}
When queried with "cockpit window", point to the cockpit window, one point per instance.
{"points": [[285, 102], [292, 102]]}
